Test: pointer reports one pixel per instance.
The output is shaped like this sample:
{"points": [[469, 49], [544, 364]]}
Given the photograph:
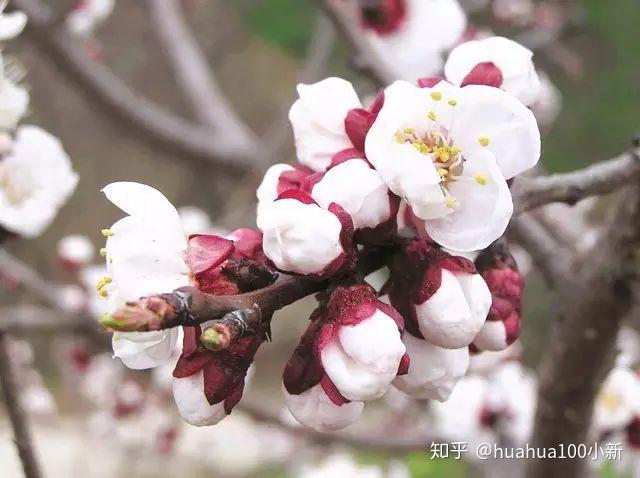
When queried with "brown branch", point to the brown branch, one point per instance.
{"points": [[591, 306], [21, 428], [188, 306], [194, 74], [102, 86], [346, 22], [600, 178], [547, 254]]}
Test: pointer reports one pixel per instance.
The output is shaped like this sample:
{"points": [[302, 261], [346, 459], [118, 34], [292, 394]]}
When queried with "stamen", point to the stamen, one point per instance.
{"points": [[104, 293], [103, 252], [443, 172], [481, 179], [484, 141], [103, 282], [107, 232], [451, 202], [432, 116], [436, 95], [452, 102]]}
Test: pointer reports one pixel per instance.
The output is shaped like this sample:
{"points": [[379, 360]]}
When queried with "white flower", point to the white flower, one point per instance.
{"points": [[414, 48], [447, 151], [83, 20], [505, 63], [456, 312], [298, 237], [313, 408], [36, 179], [433, 371], [618, 401], [145, 255], [364, 358], [192, 403], [358, 189], [11, 24], [75, 249], [317, 118]]}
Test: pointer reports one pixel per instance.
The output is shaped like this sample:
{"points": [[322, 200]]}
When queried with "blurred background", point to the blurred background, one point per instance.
{"points": [[258, 50]]}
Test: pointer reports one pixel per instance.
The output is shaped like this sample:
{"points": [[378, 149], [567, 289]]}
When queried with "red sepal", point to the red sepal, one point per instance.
{"points": [[205, 252], [486, 73]]}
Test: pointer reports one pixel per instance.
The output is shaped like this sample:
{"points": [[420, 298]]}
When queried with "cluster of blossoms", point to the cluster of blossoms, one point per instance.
{"points": [[36, 176], [84, 19], [418, 178]]}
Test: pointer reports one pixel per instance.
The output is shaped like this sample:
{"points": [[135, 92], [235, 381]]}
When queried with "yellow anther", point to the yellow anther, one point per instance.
{"points": [[436, 95], [432, 116], [483, 140], [400, 138], [103, 282], [443, 172], [409, 131], [107, 232], [451, 202], [103, 252], [104, 292], [452, 102], [481, 178]]}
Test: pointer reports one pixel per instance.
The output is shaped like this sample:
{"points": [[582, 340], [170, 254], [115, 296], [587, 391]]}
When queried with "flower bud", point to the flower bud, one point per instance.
{"points": [[434, 371], [503, 325], [207, 385], [359, 345], [441, 296], [278, 179], [497, 62], [359, 189], [75, 251], [301, 237]]}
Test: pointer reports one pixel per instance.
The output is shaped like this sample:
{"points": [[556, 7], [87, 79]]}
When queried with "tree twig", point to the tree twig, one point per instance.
{"points": [[600, 178], [346, 23], [19, 421], [102, 86], [591, 305], [194, 74]]}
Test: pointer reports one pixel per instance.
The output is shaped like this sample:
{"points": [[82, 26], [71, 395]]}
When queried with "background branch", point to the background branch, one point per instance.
{"points": [[21, 429], [593, 303]]}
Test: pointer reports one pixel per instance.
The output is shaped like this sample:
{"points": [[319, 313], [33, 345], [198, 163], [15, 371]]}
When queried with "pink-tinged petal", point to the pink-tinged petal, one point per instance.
{"points": [[207, 251], [486, 73]]}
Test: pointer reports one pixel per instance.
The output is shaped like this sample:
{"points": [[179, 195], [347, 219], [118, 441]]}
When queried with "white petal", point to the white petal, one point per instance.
{"points": [[142, 201], [14, 101], [76, 249], [492, 336], [36, 179], [314, 409], [318, 118], [358, 189], [482, 211], [300, 238], [267, 192], [618, 400], [452, 317], [192, 404], [143, 350], [12, 24], [433, 371], [364, 361], [514, 61], [509, 126]]}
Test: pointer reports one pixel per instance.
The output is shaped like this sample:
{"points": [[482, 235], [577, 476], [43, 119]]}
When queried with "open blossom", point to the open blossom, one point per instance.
{"points": [[411, 35], [617, 403], [503, 325], [145, 255], [434, 371], [447, 151], [12, 23], [442, 297], [36, 179], [87, 15], [301, 237], [207, 385], [497, 62], [349, 354]]}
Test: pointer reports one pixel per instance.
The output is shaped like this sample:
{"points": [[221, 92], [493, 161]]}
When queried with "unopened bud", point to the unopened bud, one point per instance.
{"points": [[216, 337]]}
